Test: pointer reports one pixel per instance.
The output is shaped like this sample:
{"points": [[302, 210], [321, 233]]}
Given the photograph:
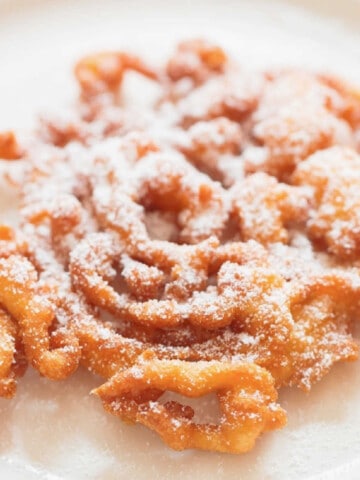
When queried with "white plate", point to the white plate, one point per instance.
{"points": [[56, 430]]}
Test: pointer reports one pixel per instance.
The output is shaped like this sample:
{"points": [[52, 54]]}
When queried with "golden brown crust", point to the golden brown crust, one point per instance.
{"points": [[245, 393], [206, 243], [9, 147]]}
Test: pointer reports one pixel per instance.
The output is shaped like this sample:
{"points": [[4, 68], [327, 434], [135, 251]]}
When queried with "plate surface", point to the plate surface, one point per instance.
{"points": [[56, 430]]}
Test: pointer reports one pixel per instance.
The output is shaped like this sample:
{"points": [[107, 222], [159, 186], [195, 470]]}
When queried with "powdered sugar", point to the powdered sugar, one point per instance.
{"points": [[310, 262]]}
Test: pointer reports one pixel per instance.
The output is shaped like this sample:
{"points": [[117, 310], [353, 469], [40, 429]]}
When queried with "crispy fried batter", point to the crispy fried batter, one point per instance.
{"points": [[206, 243], [103, 72], [334, 175], [297, 116], [19, 295], [13, 363], [323, 310], [9, 147], [264, 208], [245, 392], [196, 59]]}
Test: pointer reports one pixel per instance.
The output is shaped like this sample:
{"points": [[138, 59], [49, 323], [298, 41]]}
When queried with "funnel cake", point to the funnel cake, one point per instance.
{"points": [[207, 243]]}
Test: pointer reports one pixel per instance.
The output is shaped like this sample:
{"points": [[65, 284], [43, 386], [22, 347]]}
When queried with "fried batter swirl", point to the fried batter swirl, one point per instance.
{"points": [[207, 243]]}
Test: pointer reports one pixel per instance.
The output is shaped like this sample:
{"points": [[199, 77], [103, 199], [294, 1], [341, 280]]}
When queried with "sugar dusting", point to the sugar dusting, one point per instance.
{"points": [[266, 460]]}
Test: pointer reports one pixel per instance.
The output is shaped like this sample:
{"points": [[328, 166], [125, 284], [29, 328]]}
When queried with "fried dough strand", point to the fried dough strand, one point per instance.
{"points": [[9, 147], [245, 393], [103, 72], [13, 362], [334, 175], [19, 295]]}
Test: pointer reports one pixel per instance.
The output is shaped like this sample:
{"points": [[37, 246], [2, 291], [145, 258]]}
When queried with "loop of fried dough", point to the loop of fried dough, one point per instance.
{"points": [[35, 316], [324, 308], [103, 72], [13, 363], [212, 308], [197, 60], [264, 208], [165, 182], [334, 176], [245, 392]]}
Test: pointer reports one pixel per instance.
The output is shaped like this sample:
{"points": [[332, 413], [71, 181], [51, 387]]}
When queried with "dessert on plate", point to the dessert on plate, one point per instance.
{"points": [[206, 242]]}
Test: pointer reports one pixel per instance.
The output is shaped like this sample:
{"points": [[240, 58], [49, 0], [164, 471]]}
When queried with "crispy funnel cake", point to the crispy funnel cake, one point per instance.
{"points": [[206, 242]]}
